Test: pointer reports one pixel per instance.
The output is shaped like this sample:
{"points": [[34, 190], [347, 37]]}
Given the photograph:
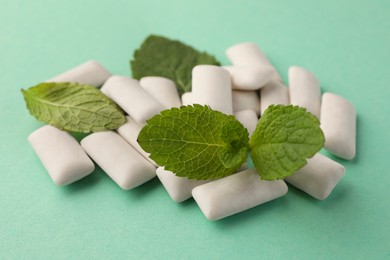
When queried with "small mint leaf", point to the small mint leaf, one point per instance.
{"points": [[160, 56], [195, 142], [73, 107], [284, 138]]}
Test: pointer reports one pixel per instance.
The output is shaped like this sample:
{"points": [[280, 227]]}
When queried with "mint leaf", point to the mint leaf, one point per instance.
{"points": [[195, 142], [73, 107], [284, 137], [160, 56]]}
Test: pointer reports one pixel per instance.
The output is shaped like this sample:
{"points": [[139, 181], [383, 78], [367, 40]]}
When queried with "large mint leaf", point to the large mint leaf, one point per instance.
{"points": [[73, 107], [195, 142], [284, 138], [159, 56]]}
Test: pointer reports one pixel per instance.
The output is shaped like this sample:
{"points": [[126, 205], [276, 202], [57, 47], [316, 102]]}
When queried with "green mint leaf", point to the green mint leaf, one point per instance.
{"points": [[284, 138], [73, 107], [159, 56], [195, 142]]}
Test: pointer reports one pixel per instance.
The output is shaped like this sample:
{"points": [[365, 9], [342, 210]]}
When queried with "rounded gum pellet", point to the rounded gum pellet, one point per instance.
{"points": [[178, 188], [162, 89], [249, 77], [338, 122], [132, 98], [243, 100], [186, 99], [248, 53], [236, 193], [211, 85], [61, 155], [304, 90], [248, 118], [90, 73], [318, 177], [274, 93], [118, 159]]}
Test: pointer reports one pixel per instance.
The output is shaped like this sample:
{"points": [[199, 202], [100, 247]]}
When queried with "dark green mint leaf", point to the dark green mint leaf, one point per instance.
{"points": [[195, 142], [284, 138], [159, 56]]}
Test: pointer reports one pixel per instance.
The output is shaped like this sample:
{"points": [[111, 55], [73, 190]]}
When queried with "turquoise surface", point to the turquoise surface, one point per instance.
{"points": [[345, 43]]}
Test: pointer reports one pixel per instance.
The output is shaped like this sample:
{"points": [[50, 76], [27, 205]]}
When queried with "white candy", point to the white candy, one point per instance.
{"points": [[163, 90], [318, 177], [61, 155], [248, 54], [186, 99], [248, 118], [338, 122], [211, 85], [132, 98], [274, 93], [304, 90], [243, 100], [130, 131], [118, 159], [178, 188], [90, 72], [236, 193], [249, 77], [103, 89]]}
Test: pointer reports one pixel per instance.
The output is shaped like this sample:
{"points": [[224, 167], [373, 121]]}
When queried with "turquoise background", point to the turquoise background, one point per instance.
{"points": [[345, 43]]}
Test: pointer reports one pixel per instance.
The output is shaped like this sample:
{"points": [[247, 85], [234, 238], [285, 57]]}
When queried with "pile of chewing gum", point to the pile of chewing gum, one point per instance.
{"points": [[244, 89]]}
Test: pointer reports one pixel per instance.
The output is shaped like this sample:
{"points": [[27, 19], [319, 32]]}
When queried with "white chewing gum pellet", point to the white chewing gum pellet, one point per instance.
{"points": [[274, 93], [304, 90], [90, 73], [248, 118], [61, 155], [118, 159], [249, 77], [338, 122], [130, 131], [132, 98], [211, 85], [178, 188], [236, 193], [103, 89], [243, 100], [318, 177], [163, 90], [249, 54], [186, 99]]}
